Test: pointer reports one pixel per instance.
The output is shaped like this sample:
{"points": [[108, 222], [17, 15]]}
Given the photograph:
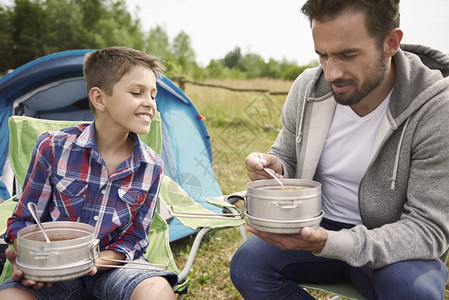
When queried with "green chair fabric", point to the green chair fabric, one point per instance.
{"points": [[24, 131], [6, 209], [7, 269], [174, 197], [159, 251], [344, 289]]}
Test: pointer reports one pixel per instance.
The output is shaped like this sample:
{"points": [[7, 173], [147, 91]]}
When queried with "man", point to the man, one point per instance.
{"points": [[368, 124]]}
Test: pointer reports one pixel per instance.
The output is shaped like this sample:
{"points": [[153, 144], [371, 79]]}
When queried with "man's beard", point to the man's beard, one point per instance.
{"points": [[366, 88]]}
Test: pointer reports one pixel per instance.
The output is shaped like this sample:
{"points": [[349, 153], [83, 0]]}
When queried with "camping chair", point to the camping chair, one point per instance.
{"points": [[23, 135], [340, 290]]}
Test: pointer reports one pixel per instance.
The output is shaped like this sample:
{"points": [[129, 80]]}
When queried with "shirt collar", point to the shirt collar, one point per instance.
{"points": [[141, 152]]}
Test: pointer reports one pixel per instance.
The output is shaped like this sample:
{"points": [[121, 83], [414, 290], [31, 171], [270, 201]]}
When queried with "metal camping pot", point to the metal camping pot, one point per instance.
{"points": [[68, 255], [272, 208], [71, 253]]}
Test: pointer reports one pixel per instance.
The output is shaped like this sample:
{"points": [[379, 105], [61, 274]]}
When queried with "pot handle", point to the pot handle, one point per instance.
{"points": [[93, 249], [237, 199], [95, 252], [289, 205]]}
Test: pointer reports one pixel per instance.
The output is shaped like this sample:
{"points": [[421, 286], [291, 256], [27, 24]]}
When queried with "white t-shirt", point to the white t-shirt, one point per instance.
{"points": [[344, 160]]}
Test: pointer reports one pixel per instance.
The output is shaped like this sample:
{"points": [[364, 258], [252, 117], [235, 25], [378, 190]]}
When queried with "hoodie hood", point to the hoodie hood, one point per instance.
{"points": [[419, 71], [433, 59], [420, 76]]}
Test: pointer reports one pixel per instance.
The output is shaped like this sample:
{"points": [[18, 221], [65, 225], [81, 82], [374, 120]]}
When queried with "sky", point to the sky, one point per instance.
{"points": [[272, 29]]}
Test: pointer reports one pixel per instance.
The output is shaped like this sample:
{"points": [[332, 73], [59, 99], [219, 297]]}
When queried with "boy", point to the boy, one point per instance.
{"points": [[103, 175]]}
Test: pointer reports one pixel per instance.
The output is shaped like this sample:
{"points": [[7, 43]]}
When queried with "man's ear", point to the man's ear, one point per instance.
{"points": [[392, 42], [97, 99]]}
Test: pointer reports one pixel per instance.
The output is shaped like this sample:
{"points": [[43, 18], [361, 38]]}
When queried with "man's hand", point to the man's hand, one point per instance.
{"points": [[308, 239], [255, 162]]}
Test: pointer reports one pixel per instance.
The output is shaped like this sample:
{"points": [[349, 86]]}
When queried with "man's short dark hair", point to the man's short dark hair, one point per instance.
{"points": [[382, 16]]}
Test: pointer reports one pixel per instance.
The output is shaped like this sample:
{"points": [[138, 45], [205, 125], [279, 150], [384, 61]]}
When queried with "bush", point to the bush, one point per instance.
{"points": [[292, 72]]}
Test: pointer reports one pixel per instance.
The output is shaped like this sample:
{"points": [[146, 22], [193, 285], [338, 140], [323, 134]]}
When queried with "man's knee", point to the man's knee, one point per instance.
{"points": [[153, 288], [413, 280], [415, 292], [243, 261]]}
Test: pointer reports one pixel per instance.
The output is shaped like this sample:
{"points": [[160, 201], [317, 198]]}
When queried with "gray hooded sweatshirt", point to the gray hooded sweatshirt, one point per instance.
{"points": [[404, 194]]}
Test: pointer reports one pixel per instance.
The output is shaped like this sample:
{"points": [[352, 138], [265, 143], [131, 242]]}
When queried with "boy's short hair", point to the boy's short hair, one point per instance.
{"points": [[105, 67]]}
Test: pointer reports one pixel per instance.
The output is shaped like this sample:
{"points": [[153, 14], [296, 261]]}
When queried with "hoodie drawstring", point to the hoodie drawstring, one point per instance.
{"points": [[299, 138], [396, 160]]}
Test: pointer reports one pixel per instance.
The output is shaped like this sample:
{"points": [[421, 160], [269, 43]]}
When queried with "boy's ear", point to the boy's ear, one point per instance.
{"points": [[96, 98]]}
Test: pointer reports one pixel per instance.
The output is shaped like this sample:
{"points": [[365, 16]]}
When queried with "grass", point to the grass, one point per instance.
{"points": [[238, 123]]}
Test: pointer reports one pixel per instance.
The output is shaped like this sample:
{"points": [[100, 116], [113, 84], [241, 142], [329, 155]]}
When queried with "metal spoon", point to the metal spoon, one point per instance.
{"points": [[274, 176], [32, 209]]}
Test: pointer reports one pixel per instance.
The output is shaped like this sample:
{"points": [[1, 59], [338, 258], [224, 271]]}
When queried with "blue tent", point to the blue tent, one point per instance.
{"points": [[52, 87]]}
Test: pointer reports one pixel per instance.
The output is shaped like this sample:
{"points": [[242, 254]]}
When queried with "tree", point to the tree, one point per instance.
{"points": [[273, 69], [182, 48], [293, 71], [6, 40], [233, 58], [116, 27], [157, 43], [63, 21], [252, 64], [183, 53], [29, 26], [33, 28], [92, 11]]}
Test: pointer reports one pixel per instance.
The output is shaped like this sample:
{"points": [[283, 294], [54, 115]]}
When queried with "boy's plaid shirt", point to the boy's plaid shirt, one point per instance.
{"points": [[69, 181]]}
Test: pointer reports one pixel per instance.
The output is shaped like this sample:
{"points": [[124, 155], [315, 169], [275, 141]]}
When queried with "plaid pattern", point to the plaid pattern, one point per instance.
{"points": [[69, 181]]}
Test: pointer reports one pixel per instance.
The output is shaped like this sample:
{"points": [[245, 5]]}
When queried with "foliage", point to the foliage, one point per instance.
{"points": [[249, 66], [6, 39], [157, 43], [233, 57], [33, 28], [292, 72]]}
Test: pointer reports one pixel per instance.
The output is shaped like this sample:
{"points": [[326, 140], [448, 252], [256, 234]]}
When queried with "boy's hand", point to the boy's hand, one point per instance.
{"points": [[93, 271], [17, 274]]}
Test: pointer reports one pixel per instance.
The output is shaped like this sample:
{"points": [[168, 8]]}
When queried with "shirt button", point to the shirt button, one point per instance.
{"points": [[96, 218], [103, 192], [104, 167]]}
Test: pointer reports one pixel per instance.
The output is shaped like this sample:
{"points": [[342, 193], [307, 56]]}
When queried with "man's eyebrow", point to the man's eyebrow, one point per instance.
{"points": [[343, 52]]}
